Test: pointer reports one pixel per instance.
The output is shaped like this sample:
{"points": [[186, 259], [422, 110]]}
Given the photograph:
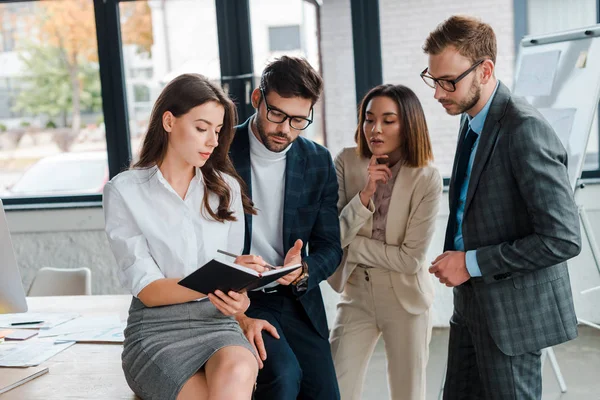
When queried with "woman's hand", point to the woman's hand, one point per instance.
{"points": [[232, 303], [377, 173], [254, 262]]}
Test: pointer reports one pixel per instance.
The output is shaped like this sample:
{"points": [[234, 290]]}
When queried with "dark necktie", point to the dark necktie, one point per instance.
{"points": [[461, 172]]}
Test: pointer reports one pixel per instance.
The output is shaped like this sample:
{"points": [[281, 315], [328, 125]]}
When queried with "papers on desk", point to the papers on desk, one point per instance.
{"points": [[30, 353], [51, 320], [98, 329], [106, 335], [82, 324]]}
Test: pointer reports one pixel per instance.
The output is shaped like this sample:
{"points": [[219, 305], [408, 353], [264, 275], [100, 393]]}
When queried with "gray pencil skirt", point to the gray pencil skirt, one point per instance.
{"points": [[165, 346]]}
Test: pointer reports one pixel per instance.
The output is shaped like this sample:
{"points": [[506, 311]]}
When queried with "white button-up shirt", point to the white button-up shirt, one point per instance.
{"points": [[156, 234]]}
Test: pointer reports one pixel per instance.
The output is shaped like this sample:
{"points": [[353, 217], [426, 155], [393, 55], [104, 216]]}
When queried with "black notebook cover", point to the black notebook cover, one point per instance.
{"points": [[224, 276]]}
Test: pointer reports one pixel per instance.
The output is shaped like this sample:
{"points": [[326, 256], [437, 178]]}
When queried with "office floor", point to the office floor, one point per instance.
{"points": [[579, 361]]}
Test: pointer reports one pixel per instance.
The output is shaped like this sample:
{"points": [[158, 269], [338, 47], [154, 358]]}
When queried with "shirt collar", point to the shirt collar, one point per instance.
{"points": [[476, 123], [155, 171], [396, 168]]}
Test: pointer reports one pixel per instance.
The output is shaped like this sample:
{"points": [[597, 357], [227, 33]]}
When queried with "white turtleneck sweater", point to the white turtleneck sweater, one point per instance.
{"points": [[268, 184]]}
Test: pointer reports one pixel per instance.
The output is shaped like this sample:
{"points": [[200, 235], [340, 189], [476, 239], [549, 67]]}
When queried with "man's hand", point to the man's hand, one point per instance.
{"points": [[254, 262], [450, 268], [293, 256], [253, 328]]}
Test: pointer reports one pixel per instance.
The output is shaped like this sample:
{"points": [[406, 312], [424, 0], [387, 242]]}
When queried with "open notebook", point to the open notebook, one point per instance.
{"points": [[226, 276]]}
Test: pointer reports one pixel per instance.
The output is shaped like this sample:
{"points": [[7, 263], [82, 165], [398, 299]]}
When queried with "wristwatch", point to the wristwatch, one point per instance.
{"points": [[301, 282]]}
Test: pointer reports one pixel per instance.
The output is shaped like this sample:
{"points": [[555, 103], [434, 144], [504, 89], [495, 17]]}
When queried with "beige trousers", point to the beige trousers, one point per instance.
{"points": [[368, 309]]}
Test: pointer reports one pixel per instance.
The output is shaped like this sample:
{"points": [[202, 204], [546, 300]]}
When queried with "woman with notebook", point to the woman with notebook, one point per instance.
{"points": [[165, 217]]}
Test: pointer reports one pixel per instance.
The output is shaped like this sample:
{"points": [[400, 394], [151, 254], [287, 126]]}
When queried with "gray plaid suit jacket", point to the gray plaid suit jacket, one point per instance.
{"points": [[521, 218], [310, 213]]}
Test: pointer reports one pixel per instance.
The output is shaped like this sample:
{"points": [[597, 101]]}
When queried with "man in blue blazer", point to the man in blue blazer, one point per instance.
{"points": [[293, 185]]}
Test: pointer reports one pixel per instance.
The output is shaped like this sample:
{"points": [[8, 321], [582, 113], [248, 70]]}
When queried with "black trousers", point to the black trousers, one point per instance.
{"points": [[299, 364]]}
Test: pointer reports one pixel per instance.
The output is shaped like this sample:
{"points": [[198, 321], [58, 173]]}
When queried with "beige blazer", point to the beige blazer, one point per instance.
{"points": [[409, 228]]}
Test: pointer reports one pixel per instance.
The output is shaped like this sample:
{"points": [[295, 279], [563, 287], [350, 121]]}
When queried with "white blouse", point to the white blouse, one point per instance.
{"points": [[156, 234]]}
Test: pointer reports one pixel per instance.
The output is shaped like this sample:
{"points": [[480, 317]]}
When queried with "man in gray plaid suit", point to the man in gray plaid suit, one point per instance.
{"points": [[513, 224]]}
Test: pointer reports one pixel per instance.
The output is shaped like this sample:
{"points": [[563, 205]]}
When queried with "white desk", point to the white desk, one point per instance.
{"points": [[83, 371]]}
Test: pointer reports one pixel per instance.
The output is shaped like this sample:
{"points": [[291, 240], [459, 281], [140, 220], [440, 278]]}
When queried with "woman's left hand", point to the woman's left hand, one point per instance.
{"points": [[232, 303]]}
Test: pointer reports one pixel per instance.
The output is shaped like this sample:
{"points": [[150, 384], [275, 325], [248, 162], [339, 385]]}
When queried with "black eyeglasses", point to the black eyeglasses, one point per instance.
{"points": [[449, 85], [279, 117]]}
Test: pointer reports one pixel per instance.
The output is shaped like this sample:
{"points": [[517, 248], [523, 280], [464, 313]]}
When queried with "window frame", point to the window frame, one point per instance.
{"points": [[366, 35]]}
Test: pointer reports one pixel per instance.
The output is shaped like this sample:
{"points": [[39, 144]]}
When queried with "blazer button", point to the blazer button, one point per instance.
{"points": [[367, 278]]}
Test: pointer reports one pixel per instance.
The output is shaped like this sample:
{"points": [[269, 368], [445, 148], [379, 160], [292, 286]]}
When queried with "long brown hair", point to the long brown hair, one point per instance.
{"points": [[415, 144], [179, 97]]}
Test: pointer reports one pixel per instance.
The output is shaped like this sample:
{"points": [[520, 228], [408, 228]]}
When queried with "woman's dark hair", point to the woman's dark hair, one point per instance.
{"points": [[179, 97], [415, 144]]}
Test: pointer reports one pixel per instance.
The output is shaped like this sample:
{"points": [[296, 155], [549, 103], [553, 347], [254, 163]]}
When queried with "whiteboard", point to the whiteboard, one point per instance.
{"points": [[559, 74]]}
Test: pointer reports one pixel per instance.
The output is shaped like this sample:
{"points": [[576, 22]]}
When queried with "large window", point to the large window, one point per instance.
{"points": [[178, 36], [290, 28], [51, 118], [78, 78]]}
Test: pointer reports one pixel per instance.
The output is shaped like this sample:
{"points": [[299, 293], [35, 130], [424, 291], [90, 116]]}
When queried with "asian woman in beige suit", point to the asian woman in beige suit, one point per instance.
{"points": [[389, 194]]}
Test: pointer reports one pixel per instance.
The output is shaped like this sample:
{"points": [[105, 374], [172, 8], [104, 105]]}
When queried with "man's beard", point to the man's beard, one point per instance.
{"points": [[265, 137], [469, 102]]}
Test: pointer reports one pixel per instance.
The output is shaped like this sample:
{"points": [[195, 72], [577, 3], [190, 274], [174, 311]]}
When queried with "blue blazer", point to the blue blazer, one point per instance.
{"points": [[310, 213]]}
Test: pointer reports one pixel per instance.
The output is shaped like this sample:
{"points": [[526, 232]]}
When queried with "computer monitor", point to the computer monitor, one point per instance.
{"points": [[12, 295]]}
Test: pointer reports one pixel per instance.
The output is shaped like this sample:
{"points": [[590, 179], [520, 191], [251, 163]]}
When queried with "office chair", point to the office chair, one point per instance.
{"points": [[61, 282]]}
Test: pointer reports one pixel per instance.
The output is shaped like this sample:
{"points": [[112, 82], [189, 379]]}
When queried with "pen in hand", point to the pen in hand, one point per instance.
{"points": [[267, 266]]}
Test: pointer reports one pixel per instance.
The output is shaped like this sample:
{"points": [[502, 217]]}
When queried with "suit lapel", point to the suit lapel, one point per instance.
{"points": [[488, 138], [239, 153], [396, 217], [355, 178], [294, 184]]}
